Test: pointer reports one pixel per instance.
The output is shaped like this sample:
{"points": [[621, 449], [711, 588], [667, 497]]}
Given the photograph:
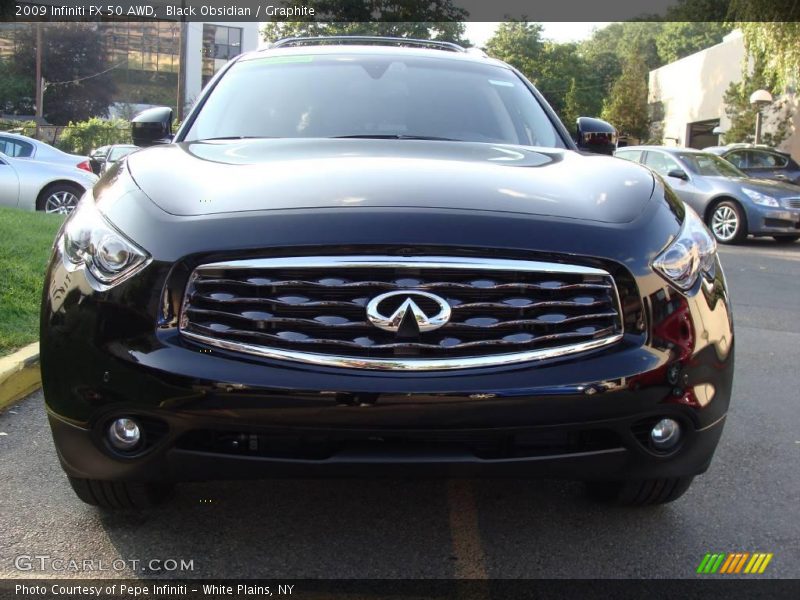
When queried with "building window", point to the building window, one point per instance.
{"points": [[220, 44]]}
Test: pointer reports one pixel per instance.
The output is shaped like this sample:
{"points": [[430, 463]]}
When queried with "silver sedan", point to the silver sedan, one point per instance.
{"points": [[732, 204], [22, 146], [34, 185]]}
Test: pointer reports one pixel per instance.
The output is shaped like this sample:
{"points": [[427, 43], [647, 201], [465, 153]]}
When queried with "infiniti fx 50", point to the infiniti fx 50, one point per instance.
{"points": [[365, 257]]}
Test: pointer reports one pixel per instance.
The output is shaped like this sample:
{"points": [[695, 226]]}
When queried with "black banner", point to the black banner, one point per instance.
{"points": [[402, 10], [373, 589]]}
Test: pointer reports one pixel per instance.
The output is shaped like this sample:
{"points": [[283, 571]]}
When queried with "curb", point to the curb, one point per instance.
{"points": [[19, 375]]}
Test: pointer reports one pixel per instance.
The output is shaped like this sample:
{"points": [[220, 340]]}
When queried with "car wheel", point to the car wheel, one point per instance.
{"points": [[59, 198], [728, 223], [786, 239], [119, 494], [645, 492]]}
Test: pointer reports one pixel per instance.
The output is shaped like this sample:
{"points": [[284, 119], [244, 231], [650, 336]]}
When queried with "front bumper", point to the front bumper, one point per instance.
{"points": [[607, 449], [773, 221], [586, 416], [209, 413]]}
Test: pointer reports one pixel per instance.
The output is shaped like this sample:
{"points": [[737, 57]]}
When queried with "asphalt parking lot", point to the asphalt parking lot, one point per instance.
{"points": [[748, 501]]}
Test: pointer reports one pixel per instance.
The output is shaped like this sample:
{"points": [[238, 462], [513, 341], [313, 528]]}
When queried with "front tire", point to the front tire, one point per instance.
{"points": [[728, 223], [647, 492], [59, 198], [120, 494]]}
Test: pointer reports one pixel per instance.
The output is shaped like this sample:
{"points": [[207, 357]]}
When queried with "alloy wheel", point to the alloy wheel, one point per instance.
{"points": [[725, 223], [61, 202]]}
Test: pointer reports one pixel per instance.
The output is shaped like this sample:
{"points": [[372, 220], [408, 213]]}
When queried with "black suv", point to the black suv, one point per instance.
{"points": [[374, 257]]}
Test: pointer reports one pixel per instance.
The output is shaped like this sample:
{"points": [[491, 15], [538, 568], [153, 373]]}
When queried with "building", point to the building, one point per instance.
{"points": [[146, 56], [210, 45], [689, 92]]}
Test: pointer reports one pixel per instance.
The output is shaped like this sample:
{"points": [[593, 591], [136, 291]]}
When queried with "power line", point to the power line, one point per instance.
{"points": [[117, 66]]}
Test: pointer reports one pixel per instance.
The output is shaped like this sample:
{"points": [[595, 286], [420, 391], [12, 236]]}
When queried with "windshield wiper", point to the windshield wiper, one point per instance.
{"points": [[395, 136]]}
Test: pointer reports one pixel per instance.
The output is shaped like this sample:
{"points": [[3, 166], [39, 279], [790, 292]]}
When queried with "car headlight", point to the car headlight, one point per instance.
{"points": [[691, 253], [91, 241], [759, 198]]}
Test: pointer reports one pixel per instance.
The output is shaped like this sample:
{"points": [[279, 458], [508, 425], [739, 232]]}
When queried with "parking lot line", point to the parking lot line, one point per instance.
{"points": [[464, 530]]}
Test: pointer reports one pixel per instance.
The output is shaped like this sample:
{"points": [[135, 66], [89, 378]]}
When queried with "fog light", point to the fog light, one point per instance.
{"points": [[665, 434], [124, 434]]}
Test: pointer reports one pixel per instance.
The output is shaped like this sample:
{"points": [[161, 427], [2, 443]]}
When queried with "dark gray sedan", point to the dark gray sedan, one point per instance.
{"points": [[732, 204], [760, 161]]}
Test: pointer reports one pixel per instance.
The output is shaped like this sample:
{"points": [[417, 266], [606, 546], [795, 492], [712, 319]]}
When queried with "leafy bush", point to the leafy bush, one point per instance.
{"points": [[24, 127], [83, 137]]}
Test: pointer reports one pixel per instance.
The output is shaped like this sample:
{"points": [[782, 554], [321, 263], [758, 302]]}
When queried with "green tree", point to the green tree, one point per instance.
{"points": [[699, 10], [678, 39], [559, 67], [626, 106], [771, 31], [448, 32], [572, 107], [82, 137], [16, 90], [743, 116], [520, 44], [605, 52], [80, 82], [421, 19]]}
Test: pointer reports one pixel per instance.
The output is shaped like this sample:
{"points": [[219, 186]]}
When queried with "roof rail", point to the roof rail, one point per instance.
{"points": [[366, 39]]}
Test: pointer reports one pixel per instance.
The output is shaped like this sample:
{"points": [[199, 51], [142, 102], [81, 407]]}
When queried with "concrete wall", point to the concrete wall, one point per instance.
{"points": [[692, 89]]}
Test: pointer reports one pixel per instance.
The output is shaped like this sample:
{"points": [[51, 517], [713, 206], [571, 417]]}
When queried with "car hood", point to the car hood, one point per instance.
{"points": [[201, 178]]}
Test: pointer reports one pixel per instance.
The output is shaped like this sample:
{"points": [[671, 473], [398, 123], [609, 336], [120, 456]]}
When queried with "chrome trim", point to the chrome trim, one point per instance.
{"points": [[409, 262], [424, 322], [404, 262], [415, 364]]}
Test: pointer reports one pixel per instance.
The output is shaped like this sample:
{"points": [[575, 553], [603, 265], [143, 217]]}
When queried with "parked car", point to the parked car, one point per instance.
{"points": [[35, 185], [732, 204], [760, 162], [97, 158], [23, 147], [116, 153], [382, 257]]}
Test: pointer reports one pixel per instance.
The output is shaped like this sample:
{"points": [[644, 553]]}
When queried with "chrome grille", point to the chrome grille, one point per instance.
{"points": [[792, 203], [313, 309]]}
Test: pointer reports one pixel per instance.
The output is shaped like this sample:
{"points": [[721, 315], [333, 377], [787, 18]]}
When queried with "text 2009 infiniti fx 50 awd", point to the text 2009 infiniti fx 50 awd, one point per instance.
{"points": [[366, 258]]}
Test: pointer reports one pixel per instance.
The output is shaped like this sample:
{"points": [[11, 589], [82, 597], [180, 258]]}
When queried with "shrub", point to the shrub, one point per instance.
{"points": [[83, 137]]}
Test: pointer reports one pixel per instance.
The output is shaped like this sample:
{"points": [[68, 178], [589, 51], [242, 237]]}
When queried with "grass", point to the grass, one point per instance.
{"points": [[26, 239]]}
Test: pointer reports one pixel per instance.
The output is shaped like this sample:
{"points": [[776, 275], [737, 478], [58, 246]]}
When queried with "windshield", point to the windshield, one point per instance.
{"points": [[710, 165], [373, 96]]}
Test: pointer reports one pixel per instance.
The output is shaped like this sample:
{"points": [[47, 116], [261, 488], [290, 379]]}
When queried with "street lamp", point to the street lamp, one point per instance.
{"points": [[759, 100]]}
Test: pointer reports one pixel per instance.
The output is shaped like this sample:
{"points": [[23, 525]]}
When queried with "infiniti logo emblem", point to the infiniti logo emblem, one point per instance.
{"points": [[408, 312]]}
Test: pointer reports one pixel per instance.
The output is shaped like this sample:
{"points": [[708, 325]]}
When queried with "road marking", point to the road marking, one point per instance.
{"points": [[464, 530]]}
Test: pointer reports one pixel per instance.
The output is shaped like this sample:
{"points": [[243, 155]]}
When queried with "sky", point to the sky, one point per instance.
{"points": [[478, 33]]}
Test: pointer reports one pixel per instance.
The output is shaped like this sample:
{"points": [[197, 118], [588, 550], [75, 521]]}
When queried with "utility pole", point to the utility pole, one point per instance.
{"points": [[39, 79], [182, 62]]}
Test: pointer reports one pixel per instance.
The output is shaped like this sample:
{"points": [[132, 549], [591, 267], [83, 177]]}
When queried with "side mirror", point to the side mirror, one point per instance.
{"points": [[595, 135], [152, 127], [678, 174]]}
